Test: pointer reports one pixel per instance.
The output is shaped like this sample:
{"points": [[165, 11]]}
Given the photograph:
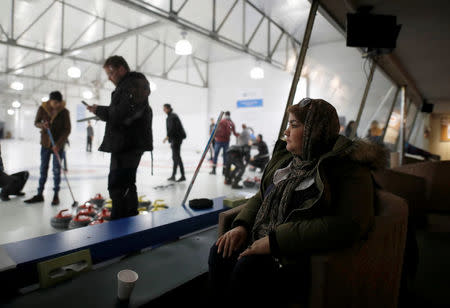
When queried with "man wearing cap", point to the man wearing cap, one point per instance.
{"points": [[128, 133], [51, 115]]}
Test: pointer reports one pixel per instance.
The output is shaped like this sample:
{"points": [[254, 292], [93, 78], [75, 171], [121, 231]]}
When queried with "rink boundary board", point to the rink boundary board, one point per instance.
{"points": [[109, 240]]}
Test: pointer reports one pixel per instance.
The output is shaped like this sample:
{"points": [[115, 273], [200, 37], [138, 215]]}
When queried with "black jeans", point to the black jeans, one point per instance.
{"points": [[256, 281], [234, 176], [122, 184], [176, 157], [89, 144]]}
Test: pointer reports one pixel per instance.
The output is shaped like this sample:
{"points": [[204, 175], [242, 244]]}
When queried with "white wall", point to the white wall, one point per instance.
{"points": [[230, 81]]}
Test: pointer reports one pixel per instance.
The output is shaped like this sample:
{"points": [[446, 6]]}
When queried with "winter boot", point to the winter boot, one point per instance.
{"points": [[55, 200], [35, 199], [182, 179]]}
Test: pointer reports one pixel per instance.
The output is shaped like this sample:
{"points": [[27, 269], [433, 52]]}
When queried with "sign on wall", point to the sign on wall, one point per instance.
{"points": [[249, 98], [248, 103]]}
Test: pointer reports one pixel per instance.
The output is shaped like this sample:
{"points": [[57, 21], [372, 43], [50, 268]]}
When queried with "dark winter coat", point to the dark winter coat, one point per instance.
{"points": [[175, 130], [340, 214], [129, 116], [263, 151], [59, 124]]}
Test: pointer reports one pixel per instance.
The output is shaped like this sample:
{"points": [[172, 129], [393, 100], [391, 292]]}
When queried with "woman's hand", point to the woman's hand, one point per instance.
{"points": [[231, 241], [259, 247]]}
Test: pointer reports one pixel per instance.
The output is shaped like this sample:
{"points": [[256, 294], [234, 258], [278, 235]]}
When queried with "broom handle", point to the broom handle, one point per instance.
{"points": [[213, 134], [60, 163]]}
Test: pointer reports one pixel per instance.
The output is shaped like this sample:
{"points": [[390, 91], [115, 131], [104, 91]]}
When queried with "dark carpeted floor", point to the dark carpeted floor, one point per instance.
{"points": [[430, 288]]}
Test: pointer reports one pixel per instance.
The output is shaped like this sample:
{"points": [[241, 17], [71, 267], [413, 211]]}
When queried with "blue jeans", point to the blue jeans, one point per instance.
{"points": [[217, 147], [45, 160]]}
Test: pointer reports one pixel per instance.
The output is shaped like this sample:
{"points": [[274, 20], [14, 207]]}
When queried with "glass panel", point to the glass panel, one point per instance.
{"points": [[377, 107], [393, 128]]}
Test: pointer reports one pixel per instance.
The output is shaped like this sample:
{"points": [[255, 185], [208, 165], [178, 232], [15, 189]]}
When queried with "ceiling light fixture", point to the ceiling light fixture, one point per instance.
{"points": [[183, 46], [11, 112], [19, 71], [88, 94], [74, 72], [76, 52], [257, 72], [17, 85], [16, 104], [45, 99]]}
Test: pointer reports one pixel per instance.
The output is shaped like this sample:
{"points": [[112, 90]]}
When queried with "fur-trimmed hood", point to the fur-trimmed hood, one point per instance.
{"points": [[361, 151], [47, 108]]}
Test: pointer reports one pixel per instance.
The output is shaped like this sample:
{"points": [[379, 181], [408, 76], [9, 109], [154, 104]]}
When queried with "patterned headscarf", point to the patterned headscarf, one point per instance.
{"points": [[321, 129]]}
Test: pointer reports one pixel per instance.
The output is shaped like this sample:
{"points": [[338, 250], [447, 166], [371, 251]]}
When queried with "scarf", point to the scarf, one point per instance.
{"points": [[274, 208], [321, 129]]}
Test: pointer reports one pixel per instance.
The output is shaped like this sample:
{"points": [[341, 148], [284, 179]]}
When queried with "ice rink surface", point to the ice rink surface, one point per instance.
{"points": [[88, 175]]}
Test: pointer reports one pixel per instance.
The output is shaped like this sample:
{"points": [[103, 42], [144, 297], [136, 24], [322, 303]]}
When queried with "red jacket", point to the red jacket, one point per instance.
{"points": [[224, 130]]}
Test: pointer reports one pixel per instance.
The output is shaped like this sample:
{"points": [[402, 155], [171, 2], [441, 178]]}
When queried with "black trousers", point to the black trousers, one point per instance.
{"points": [[176, 157], [89, 144], [235, 175], [256, 281], [122, 184]]}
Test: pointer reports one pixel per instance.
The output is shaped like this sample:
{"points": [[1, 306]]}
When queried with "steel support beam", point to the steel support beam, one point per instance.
{"points": [[255, 31], [394, 100], [211, 33], [227, 15], [82, 33], [63, 6], [276, 45], [198, 70], [139, 67], [381, 105], [402, 125], [172, 65], [412, 126], [4, 32], [363, 100], [13, 43], [301, 59], [34, 22], [117, 37], [182, 6], [13, 11]]}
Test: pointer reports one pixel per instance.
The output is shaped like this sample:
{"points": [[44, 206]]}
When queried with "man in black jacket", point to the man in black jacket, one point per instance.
{"points": [[262, 158], [128, 133], [175, 135]]}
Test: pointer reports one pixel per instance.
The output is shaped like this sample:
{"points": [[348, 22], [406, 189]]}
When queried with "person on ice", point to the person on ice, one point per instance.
{"points": [[128, 133]]}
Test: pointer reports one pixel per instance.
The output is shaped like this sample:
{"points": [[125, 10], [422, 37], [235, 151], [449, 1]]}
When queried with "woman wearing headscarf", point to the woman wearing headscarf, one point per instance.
{"points": [[316, 195]]}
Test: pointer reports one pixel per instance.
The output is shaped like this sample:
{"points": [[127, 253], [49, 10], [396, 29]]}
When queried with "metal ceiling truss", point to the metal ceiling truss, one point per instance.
{"points": [[13, 40], [242, 44]]}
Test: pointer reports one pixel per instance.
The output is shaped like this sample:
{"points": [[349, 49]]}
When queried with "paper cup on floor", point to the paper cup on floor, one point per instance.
{"points": [[126, 280]]}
